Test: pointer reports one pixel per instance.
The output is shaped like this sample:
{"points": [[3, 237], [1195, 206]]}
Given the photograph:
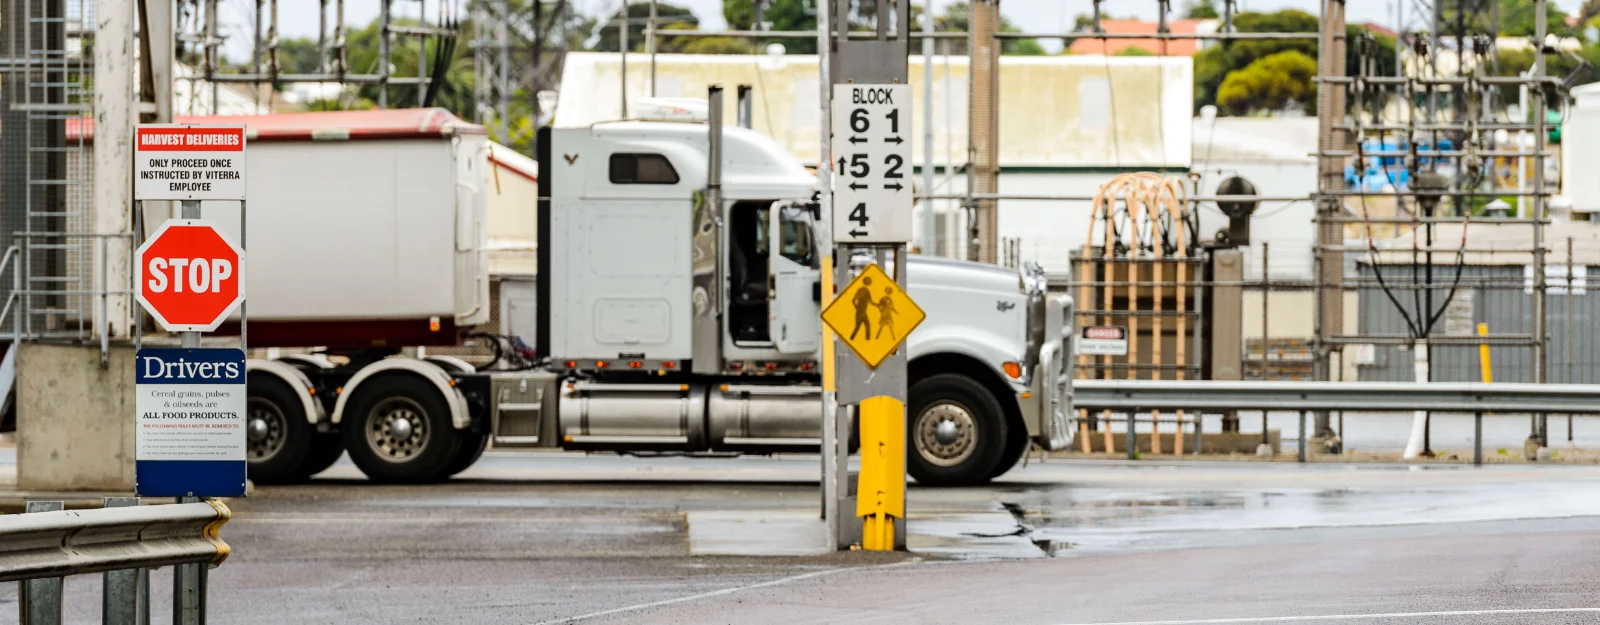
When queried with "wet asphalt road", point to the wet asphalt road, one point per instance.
{"points": [[537, 538]]}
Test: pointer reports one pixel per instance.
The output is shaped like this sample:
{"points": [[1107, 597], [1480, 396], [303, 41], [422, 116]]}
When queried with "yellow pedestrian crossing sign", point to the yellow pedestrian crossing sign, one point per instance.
{"points": [[873, 315]]}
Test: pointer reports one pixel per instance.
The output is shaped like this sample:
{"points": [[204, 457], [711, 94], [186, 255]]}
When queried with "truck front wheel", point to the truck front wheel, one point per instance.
{"points": [[955, 431], [397, 429]]}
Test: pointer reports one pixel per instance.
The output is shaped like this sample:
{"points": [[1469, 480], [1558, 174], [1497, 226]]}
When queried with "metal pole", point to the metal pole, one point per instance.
{"points": [[624, 50], [383, 54], [650, 44], [1477, 439], [929, 231], [40, 599], [1302, 436], [125, 595], [189, 586], [830, 395], [1266, 286], [538, 45], [191, 210], [1132, 439], [1540, 374]]}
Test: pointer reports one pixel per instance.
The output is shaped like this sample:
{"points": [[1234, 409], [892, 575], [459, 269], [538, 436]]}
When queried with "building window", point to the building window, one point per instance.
{"points": [[642, 169]]}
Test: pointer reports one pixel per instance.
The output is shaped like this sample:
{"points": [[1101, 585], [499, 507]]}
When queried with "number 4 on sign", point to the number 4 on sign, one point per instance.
{"points": [[858, 215]]}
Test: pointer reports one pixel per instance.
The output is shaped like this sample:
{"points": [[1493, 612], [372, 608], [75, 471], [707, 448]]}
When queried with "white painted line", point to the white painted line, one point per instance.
{"points": [[1352, 617], [724, 591]]}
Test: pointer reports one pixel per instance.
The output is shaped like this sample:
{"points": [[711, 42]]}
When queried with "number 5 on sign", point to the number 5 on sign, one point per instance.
{"points": [[872, 147]]}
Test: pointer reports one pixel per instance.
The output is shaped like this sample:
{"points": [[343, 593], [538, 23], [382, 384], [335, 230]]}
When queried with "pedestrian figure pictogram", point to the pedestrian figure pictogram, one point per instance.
{"points": [[896, 315]]}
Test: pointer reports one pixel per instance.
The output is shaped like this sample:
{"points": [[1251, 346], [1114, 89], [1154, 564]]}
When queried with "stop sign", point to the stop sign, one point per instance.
{"points": [[189, 275]]}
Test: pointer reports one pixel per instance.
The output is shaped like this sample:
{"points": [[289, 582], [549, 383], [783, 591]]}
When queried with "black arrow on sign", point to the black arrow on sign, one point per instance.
{"points": [[856, 186], [896, 186], [857, 233], [894, 140], [858, 139], [841, 163]]}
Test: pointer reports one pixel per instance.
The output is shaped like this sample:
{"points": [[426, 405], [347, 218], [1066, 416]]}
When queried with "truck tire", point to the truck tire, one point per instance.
{"points": [[1016, 445], [281, 446], [472, 446], [955, 431], [397, 429]]}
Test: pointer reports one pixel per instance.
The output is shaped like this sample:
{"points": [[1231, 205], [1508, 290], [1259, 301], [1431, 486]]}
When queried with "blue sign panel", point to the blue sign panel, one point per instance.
{"points": [[191, 423]]}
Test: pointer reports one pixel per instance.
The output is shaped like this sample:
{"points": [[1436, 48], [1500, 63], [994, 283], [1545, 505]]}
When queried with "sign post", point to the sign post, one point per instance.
{"points": [[866, 174], [190, 276]]}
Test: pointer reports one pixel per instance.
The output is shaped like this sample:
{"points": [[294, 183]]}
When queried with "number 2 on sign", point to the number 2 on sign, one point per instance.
{"points": [[859, 214]]}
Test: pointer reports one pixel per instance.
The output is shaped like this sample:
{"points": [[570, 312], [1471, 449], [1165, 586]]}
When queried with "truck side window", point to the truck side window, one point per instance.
{"points": [[642, 169], [795, 230]]}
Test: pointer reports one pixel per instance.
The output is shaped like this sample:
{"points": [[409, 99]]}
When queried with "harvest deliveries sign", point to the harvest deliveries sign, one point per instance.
{"points": [[189, 163]]}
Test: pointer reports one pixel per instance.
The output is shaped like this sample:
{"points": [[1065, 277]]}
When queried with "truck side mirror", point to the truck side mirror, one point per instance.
{"points": [[816, 291]]}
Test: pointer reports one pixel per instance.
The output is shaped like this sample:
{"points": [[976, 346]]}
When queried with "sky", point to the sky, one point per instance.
{"points": [[298, 18]]}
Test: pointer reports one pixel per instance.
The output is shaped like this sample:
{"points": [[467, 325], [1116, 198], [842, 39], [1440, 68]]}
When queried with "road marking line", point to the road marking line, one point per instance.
{"points": [[725, 591], [1351, 617]]}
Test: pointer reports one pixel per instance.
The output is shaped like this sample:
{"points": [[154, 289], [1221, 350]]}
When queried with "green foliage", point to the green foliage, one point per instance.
{"points": [[1133, 51], [957, 17], [667, 16], [1217, 62], [1517, 18], [1201, 9], [1271, 83]]}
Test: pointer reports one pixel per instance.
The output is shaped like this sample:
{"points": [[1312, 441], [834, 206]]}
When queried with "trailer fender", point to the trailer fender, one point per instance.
{"points": [[316, 361], [297, 381], [451, 362], [459, 414]]}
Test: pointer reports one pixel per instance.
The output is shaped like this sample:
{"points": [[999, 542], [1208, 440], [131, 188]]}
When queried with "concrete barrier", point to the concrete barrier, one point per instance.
{"points": [[75, 422]]}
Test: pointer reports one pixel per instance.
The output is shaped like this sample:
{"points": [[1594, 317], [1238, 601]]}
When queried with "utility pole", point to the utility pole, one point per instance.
{"points": [[983, 135], [1330, 233]]}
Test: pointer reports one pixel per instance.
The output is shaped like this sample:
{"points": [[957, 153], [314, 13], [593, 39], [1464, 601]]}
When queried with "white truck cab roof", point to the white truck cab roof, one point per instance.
{"points": [[753, 166]]}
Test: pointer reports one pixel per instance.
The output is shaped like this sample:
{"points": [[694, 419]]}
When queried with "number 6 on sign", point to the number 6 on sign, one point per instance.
{"points": [[871, 149]]}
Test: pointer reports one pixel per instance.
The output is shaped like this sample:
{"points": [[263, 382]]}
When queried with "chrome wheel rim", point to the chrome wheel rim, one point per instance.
{"points": [[397, 429], [946, 434], [265, 429]]}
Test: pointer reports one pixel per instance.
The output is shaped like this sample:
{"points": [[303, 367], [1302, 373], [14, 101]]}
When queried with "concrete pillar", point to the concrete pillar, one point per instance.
{"points": [[75, 425]]}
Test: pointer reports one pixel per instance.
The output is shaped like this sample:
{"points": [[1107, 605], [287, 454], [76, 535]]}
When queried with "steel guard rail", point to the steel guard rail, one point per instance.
{"points": [[1121, 395], [74, 542]]}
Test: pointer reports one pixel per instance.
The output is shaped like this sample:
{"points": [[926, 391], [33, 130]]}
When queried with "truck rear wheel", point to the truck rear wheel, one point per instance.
{"points": [[956, 431], [397, 428], [472, 446], [281, 446]]}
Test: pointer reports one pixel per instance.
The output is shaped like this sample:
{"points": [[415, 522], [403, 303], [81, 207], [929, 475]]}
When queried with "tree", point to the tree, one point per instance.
{"points": [[957, 17], [1201, 9], [1272, 83], [1133, 51], [1215, 63], [667, 16], [1517, 17]]}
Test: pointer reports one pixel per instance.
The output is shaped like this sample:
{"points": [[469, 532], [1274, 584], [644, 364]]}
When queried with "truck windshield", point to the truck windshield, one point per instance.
{"points": [[795, 233]]}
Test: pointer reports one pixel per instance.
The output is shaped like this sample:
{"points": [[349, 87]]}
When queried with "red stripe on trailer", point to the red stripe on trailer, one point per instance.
{"points": [[348, 334]]}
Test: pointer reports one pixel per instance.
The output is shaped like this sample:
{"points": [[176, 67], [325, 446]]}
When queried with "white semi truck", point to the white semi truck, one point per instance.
{"points": [[662, 323]]}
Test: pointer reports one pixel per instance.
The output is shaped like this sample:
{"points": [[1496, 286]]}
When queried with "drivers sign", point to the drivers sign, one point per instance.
{"points": [[189, 275]]}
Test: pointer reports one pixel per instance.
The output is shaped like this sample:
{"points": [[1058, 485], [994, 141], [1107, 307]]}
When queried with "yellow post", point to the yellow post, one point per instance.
{"points": [[1483, 354], [881, 494]]}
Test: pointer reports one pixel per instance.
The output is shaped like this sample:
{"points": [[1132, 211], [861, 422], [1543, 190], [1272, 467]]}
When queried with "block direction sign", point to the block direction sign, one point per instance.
{"points": [[872, 194], [184, 162], [1103, 341], [190, 420], [189, 275], [873, 316]]}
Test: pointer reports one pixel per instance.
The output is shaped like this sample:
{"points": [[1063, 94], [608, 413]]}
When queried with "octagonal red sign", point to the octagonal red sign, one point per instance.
{"points": [[189, 275]]}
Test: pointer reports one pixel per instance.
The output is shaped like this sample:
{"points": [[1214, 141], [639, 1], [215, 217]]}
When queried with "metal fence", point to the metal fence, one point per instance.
{"points": [[123, 541]]}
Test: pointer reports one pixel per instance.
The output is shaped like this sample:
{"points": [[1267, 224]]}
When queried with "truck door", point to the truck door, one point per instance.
{"points": [[794, 317]]}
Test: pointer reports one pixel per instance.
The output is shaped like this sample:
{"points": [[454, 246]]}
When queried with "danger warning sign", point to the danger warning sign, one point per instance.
{"points": [[177, 162]]}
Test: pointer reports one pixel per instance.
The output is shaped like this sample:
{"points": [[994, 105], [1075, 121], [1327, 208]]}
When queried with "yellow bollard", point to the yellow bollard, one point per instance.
{"points": [[1483, 355], [881, 491]]}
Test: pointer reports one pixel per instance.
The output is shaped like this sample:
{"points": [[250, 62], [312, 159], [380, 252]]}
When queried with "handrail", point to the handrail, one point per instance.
{"points": [[1461, 397], [75, 542]]}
